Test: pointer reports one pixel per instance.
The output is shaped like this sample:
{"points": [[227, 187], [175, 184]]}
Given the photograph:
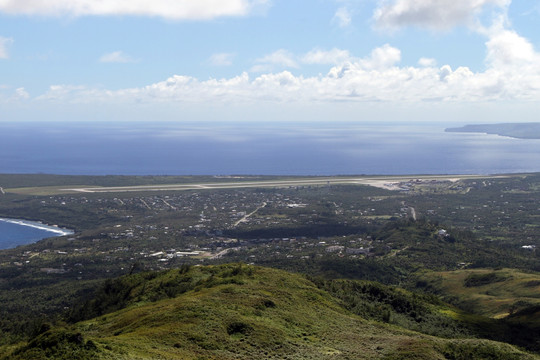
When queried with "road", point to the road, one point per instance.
{"points": [[413, 213], [248, 215]]}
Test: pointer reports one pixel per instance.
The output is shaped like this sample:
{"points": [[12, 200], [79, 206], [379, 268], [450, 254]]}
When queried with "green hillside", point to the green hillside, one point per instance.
{"points": [[492, 293], [506, 302], [240, 311]]}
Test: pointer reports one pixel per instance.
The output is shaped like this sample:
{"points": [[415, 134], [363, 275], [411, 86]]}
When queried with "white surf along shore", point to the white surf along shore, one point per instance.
{"points": [[37, 225]]}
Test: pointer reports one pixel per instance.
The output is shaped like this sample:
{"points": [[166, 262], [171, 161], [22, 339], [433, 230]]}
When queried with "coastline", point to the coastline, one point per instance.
{"points": [[38, 225]]}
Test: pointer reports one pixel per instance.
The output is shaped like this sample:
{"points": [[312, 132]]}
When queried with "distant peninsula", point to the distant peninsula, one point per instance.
{"points": [[514, 130]]}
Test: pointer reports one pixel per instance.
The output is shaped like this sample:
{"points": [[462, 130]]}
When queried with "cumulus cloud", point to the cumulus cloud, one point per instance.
{"points": [[176, 10], [342, 17], [116, 57], [506, 47], [221, 59], [374, 78], [4, 43], [438, 15], [381, 58]]}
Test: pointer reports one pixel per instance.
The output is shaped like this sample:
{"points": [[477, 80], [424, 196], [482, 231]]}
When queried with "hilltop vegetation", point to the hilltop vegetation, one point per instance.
{"points": [[244, 312], [511, 297], [494, 293]]}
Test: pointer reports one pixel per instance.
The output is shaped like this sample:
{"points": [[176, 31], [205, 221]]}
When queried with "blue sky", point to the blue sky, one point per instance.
{"points": [[271, 60]]}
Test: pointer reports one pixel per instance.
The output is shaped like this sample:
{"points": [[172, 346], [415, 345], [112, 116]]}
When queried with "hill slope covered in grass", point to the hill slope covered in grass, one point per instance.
{"points": [[488, 292], [239, 311]]}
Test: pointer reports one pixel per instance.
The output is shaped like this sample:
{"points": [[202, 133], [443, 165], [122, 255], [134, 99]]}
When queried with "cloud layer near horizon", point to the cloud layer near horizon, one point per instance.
{"points": [[512, 73]]}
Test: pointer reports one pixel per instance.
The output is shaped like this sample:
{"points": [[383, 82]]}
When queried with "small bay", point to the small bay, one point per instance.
{"points": [[14, 232]]}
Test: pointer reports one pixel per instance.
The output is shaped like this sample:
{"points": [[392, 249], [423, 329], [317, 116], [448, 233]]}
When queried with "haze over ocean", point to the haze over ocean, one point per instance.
{"points": [[150, 148]]}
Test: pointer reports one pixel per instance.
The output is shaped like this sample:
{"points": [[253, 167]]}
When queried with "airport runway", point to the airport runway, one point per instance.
{"points": [[378, 181]]}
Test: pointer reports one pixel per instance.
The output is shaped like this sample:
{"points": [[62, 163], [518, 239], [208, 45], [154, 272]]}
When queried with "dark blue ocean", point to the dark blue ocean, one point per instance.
{"points": [[257, 148], [18, 232]]}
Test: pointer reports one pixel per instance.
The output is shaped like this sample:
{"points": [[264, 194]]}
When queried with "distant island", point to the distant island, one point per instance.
{"points": [[514, 130]]}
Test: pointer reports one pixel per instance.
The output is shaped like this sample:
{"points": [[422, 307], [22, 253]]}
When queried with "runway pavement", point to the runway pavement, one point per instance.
{"points": [[378, 181]]}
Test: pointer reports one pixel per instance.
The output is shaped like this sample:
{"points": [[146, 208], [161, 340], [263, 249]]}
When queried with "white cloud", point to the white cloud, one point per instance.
{"points": [[280, 58], [533, 10], [427, 62], [506, 47], [332, 57], [170, 9], [4, 43], [512, 74], [116, 57], [432, 14], [21, 93], [381, 58], [221, 59], [285, 59], [352, 82], [342, 17], [10, 95]]}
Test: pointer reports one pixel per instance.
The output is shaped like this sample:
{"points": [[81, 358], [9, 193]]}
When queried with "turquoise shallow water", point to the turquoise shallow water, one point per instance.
{"points": [[19, 232]]}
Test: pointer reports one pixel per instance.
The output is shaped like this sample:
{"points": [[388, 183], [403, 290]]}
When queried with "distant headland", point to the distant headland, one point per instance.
{"points": [[514, 130]]}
